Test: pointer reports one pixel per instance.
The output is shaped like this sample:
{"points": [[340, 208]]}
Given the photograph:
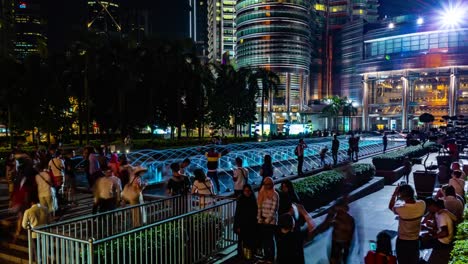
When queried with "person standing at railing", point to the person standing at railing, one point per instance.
{"points": [[107, 192], [385, 142], [178, 184], [203, 186], [240, 177], [133, 195], [36, 216], [245, 223], [267, 216]]}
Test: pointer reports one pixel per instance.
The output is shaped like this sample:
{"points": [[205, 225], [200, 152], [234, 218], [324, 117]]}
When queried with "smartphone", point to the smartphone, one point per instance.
{"points": [[373, 245], [402, 183]]}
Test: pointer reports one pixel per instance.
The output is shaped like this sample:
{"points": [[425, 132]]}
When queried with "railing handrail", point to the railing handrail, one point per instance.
{"points": [[87, 216], [174, 218], [45, 233]]}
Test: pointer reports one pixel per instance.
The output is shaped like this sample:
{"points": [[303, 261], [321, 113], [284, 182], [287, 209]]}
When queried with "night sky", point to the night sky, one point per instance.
{"points": [[402, 7]]}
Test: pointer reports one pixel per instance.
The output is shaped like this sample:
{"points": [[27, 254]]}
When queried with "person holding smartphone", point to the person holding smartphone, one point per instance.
{"points": [[410, 212]]}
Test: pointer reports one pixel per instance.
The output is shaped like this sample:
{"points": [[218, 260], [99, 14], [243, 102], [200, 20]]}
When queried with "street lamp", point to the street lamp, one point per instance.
{"points": [[420, 21], [452, 16]]}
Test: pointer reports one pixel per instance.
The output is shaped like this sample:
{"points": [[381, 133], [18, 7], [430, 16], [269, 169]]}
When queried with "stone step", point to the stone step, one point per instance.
{"points": [[9, 255]]}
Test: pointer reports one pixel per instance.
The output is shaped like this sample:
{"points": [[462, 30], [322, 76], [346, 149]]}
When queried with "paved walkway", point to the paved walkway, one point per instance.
{"points": [[371, 215]]}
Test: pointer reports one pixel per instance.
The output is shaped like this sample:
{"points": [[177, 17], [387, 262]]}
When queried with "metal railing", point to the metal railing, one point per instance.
{"points": [[177, 230]]}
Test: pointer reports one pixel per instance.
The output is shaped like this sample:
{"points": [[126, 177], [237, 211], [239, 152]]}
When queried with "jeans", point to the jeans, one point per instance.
{"points": [[300, 162], [407, 251], [214, 176]]}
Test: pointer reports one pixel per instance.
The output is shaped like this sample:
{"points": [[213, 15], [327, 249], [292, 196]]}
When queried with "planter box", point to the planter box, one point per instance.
{"points": [[391, 176], [424, 183]]}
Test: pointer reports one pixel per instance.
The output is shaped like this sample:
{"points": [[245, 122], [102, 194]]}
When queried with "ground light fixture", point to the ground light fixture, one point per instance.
{"points": [[391, 25]]}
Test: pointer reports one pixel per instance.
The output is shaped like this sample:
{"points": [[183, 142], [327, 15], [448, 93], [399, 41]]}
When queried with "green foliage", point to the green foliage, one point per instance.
{"points": [[322, 184], [317, 184], [393, 160], [166, 238], [459, 254]]}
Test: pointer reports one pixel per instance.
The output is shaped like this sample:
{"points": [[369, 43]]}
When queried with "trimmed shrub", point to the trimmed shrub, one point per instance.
{"points": [[459, 254], [324, 187], [393, 160]]}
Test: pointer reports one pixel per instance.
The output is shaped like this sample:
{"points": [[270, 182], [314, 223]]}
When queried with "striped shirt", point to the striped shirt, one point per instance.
{"points": [[268, 210]]}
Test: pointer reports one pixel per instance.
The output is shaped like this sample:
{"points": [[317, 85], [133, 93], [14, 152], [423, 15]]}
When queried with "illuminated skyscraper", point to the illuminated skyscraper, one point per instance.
{"points": [[329, 18], [103, 17], [276, 35], [221, 29], [29, 27]]}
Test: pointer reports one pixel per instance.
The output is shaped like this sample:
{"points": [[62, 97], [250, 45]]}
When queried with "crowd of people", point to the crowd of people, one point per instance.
{"points": [[428, 223], [45, 181]]}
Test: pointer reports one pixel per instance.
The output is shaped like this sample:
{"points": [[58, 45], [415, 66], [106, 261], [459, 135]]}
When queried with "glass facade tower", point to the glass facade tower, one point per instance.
{"points": [[221, 29], [276, 35]]}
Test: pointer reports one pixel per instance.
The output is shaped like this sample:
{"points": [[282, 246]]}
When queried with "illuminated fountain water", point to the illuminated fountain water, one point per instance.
{"points": [[282, 153]]}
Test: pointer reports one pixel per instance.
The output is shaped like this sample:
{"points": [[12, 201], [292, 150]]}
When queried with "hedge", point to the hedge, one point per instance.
{"points": [[324, 187], [393, 160], [459, 254]]}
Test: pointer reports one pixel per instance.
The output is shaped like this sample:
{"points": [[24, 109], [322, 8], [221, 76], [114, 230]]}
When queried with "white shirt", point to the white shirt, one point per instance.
{"points": [[57, 166], [43, 180], [36, 216], [241, 175], [107, 187], [443, 219], [204, 188], [455, 206], [459, 185], [409, 223]]}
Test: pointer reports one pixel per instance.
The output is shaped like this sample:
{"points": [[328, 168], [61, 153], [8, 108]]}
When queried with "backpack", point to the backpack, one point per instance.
{"points": [[296, 151]]}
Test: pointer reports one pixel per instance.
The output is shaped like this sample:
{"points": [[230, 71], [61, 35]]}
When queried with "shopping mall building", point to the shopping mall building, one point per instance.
{"points": [[409, 66]]}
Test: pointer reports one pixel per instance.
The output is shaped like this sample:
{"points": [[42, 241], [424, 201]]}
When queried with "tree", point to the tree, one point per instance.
{"points": [[270, 82], [333, 108], [348, 111], [426, 118]]}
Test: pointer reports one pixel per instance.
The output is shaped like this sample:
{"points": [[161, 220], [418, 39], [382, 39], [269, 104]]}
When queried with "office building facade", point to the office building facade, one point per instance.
{"points": [[410, 68], [276, 36], [221, 30], [30, 27], [198, 25]]}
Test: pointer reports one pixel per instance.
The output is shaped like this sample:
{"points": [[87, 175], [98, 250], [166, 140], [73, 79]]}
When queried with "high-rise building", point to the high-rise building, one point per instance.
{"points": [[198, 25], [6, 27], [30, 27], [221, 30], [329, 18], [275, 35], [104, 17]]}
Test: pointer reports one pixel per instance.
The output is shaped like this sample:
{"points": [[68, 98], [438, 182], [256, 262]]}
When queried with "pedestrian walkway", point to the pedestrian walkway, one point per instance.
{"points": [[371, 215]]}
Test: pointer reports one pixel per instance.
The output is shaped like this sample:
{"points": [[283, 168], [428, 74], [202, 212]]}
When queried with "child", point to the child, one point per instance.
{"points": [[323, 153]]}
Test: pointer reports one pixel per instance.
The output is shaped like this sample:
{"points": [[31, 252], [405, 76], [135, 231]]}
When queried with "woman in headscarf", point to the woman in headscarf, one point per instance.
{"points": [[245, 222], [133, 195], [114, 164], [287, 196], [267, 216]]}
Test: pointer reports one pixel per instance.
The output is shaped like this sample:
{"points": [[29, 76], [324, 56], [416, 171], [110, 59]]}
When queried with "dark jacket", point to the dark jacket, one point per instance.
{"points": [[246, 219]]}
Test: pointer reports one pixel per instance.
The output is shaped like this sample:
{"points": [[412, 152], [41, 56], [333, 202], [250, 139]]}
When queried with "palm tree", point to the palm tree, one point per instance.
{"points": [[348, 111], [270, 82], [334, 108]]}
